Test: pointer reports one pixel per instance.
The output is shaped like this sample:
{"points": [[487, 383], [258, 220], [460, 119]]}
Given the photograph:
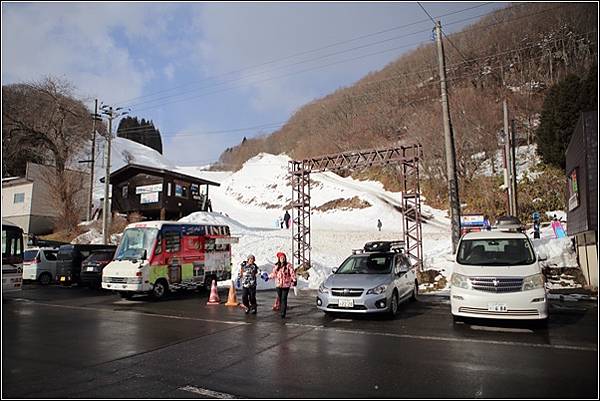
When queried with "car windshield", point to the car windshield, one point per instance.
{"points": [[135, 241], [366, 264], [100, 256], [496, 252], [30, 255]]}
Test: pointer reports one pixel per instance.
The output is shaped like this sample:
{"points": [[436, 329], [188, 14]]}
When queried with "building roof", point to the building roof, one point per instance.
{"points": [[12, 181], [160, 171], [160, 223]]}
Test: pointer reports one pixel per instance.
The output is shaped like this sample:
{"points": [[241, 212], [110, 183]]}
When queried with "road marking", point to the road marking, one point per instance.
{"points": [[449, 339], [206, 392], [142, 313], [501, 329]]}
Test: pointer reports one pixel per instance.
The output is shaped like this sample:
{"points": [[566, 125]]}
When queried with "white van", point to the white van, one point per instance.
{"points": [[497, 275], [39, 264]]}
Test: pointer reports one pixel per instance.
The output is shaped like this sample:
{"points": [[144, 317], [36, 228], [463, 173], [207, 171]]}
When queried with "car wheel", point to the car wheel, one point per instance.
{"points": [[45, 278], [160, 289], [458, 319], [393, 310], [415, 292]]}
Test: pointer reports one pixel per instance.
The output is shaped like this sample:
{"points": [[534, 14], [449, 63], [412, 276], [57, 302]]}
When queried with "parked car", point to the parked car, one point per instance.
{"points": [[39, 264], [373, 280], [497, 275], [70, 258], [92, 266]]}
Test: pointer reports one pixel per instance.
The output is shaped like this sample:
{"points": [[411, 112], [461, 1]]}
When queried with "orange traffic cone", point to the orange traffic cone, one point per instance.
{"points": [[232, 298], [214, 295]]}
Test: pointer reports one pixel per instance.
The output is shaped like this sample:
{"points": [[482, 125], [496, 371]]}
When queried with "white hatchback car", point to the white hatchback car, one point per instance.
{"points": [[497, 275], [39, 264]]}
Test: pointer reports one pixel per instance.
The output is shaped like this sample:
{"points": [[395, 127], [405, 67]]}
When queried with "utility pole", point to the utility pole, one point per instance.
{"points": [[110, 115], [449, 142], [91, 197], [513, 135], [509, 163]]}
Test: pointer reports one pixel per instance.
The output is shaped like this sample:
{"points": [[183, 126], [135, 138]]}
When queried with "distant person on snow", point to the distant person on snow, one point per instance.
{"points": [[486, 223], [379, 224], [286, 218]]}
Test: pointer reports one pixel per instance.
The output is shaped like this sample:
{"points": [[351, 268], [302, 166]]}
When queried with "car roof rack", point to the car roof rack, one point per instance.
{"points": [[384, 246], [508, 224]]}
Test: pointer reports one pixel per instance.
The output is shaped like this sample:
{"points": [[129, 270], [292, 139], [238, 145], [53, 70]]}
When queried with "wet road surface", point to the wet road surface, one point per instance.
{"points": [[81, 343]]}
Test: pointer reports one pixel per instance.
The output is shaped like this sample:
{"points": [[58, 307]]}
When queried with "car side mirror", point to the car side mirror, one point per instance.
{"points": [[333, 270], [450, 258], [144, 254], [542, 256]]}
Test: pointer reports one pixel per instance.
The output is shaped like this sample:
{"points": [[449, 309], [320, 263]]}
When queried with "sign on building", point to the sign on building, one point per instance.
{"points": [[145, 189]]}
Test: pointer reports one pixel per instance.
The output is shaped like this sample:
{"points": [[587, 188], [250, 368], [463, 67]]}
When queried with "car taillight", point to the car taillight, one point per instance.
{"points": [[38, 259], [138, 274]]}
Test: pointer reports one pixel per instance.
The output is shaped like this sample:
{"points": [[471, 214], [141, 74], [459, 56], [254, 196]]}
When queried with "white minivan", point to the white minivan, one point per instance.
{"points": [[497, 275], [39, 264]]}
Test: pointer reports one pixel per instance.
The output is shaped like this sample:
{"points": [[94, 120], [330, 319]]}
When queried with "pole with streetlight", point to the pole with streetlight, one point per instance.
{"points": [[110, 114]]}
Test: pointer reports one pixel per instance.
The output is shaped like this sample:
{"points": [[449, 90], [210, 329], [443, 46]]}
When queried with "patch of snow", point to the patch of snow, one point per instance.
{"points": [[527, 160]]}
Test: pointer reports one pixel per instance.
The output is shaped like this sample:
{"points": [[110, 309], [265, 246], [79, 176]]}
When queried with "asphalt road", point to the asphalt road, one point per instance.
{"points": [[80, 343]]}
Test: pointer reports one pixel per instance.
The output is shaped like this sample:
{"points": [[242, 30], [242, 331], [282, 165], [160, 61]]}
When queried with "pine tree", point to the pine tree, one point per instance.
{"points": [[142, 132], [560, 112]]}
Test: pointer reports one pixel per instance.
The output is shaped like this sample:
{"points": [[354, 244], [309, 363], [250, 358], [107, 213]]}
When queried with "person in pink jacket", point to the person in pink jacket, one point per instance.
{"points": [[285, 277]]}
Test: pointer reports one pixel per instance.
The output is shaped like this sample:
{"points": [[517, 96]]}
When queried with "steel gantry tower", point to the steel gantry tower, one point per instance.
{"points": [[407, 157]]}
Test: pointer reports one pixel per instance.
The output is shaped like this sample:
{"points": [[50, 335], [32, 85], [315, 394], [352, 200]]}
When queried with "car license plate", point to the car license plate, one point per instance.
{"points": [[63, 278], [90, 269], [497, 307], [346, 303]]}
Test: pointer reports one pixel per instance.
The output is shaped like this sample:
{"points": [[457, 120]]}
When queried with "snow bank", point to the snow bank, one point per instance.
{"points": [[558, 250]]}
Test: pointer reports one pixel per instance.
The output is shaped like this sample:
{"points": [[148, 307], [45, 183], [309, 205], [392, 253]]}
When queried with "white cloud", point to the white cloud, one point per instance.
{"points": [[81, 43], [242, 35], [190, 147], [169, 71]]}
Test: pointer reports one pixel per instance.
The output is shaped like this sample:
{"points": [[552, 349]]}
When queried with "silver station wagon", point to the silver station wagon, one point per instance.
{"points": [[375, 279]]}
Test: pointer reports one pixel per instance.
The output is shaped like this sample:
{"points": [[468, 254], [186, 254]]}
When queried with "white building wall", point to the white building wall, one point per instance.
{"points": [[18, 213]]}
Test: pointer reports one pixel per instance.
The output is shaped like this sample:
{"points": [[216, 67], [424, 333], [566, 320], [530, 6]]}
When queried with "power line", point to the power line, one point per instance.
{"points": [[278, 77], [399, 76], [306, 52], [283, 67], [351, 59]]}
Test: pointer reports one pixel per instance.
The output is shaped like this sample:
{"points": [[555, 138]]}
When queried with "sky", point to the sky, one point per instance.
{"points": [[209, 74]]}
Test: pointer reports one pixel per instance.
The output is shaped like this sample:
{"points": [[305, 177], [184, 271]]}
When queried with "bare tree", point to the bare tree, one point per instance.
{"points": [[44, 117]]}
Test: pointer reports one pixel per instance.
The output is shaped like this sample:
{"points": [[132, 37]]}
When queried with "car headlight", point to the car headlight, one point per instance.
{"points": [[323, 289], [460, 281], [533, 282], [134, 280], [377, 290]]}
